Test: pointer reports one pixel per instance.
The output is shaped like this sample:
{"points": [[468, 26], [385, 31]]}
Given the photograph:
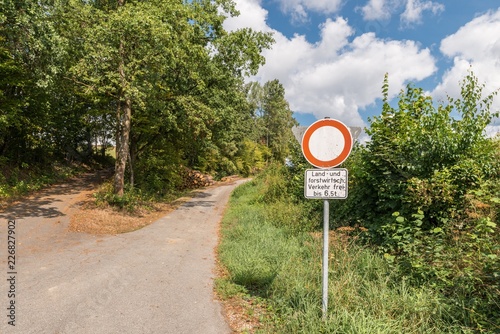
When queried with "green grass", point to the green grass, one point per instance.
{"points": [[280, 267]]}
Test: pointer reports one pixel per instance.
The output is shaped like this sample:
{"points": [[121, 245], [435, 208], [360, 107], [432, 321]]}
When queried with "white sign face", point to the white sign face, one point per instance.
{"points": [[326, 183], [326, 143]]}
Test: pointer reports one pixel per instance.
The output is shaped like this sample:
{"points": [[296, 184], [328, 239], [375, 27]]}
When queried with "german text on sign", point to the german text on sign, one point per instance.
{"points": [[326, 183]]}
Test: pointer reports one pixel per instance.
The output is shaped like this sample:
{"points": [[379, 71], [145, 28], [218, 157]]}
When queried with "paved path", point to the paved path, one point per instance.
{"points": [[155, 280]]}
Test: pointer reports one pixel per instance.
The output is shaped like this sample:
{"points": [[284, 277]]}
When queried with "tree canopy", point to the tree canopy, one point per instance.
{"points": [[160, 80]]}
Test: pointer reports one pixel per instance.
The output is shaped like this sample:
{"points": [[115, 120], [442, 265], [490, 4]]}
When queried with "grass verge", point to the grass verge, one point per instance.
{"points": [[273, 275]]}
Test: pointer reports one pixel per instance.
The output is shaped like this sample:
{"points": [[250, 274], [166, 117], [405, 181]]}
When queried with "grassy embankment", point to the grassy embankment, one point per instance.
{"points": [[20, 180], [16, 182], [272, 263]]}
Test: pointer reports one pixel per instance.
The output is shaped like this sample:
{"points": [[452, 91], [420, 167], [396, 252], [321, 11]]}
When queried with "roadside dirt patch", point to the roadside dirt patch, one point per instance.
{"points": [[89, 218], [244, 314]]}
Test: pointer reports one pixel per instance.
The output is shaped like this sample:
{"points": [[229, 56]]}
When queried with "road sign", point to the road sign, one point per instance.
{"points": [[326, 143], [326, 183]]}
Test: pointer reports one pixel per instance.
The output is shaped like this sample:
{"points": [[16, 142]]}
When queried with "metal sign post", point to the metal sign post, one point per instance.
{"points": [[326, 144], [326, 243]]}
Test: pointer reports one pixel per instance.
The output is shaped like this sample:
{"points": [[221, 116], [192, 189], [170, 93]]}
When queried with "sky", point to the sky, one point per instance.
{"points": [[331, 55]]}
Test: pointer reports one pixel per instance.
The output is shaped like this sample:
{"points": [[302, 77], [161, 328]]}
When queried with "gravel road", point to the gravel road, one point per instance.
{"points": [[155, 280]]}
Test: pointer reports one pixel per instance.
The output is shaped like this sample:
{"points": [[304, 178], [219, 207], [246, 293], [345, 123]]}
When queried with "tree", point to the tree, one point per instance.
{"points": [[157, 62], [164, 74], [34, 56], [278, 120], [272, 117], [426, 186], [11, 81], [421, 158]]}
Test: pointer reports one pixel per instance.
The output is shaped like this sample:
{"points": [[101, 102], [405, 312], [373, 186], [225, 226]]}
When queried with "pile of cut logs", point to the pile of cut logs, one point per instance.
{"points": [[194, 179]]}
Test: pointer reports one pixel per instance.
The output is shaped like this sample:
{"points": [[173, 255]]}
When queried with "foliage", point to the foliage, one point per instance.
{"points": [[174, 74], [426, 186], [132, 199], [161, 80], [420, 157], [251, 158], [274, 119]]}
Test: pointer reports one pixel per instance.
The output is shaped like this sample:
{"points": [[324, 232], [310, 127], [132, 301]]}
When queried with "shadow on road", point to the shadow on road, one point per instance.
{"points": [[206, 204]]}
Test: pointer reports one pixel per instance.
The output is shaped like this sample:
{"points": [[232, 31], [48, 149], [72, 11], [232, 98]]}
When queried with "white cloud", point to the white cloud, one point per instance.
{"points": [[383, 10], [339, 75], [351, 79], [342, 73], [252, 15], [299, 8], [415, 8], [376, 10], [477, 40], [476, 47]]}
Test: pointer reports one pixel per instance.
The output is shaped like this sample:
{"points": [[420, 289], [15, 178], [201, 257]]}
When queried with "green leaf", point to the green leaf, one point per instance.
{"points": [[437, 230], [489, 223]]}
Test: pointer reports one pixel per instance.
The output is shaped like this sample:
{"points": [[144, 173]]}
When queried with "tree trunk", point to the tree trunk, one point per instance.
{"points": [[124, 114]]}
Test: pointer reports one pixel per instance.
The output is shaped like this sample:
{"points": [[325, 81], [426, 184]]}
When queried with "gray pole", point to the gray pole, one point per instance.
{"points": [[326, 230]]}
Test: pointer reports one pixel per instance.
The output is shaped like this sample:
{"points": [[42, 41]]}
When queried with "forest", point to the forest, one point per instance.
{"points": [[159, 84]]}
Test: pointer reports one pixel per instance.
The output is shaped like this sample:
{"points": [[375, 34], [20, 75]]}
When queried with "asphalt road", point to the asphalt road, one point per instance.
{"points": [[155, 280]]}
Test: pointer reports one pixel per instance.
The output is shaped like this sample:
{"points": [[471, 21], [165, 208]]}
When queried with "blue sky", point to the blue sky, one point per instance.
{"points": [[331, 55]]}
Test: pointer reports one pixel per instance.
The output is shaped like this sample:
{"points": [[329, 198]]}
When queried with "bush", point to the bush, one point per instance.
{"points": [[130, 201], [426, 186]]}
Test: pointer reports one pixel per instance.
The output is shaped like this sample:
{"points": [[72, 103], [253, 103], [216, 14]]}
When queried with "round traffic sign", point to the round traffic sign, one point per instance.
{"points": [[326, 143]]}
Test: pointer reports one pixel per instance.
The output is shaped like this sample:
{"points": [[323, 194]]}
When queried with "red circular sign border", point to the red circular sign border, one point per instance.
{"points": [[341, 157]]}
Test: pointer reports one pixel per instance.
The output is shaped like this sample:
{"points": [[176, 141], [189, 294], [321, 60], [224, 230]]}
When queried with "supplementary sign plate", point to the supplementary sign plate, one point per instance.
{"points": [[326, 183]]}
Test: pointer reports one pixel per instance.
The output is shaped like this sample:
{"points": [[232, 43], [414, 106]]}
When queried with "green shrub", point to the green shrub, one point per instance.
{"points": [[131, 200], [252, 157]]}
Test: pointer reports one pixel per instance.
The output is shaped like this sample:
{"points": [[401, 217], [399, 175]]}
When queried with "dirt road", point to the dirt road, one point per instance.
{"points": [[158, 279]]}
